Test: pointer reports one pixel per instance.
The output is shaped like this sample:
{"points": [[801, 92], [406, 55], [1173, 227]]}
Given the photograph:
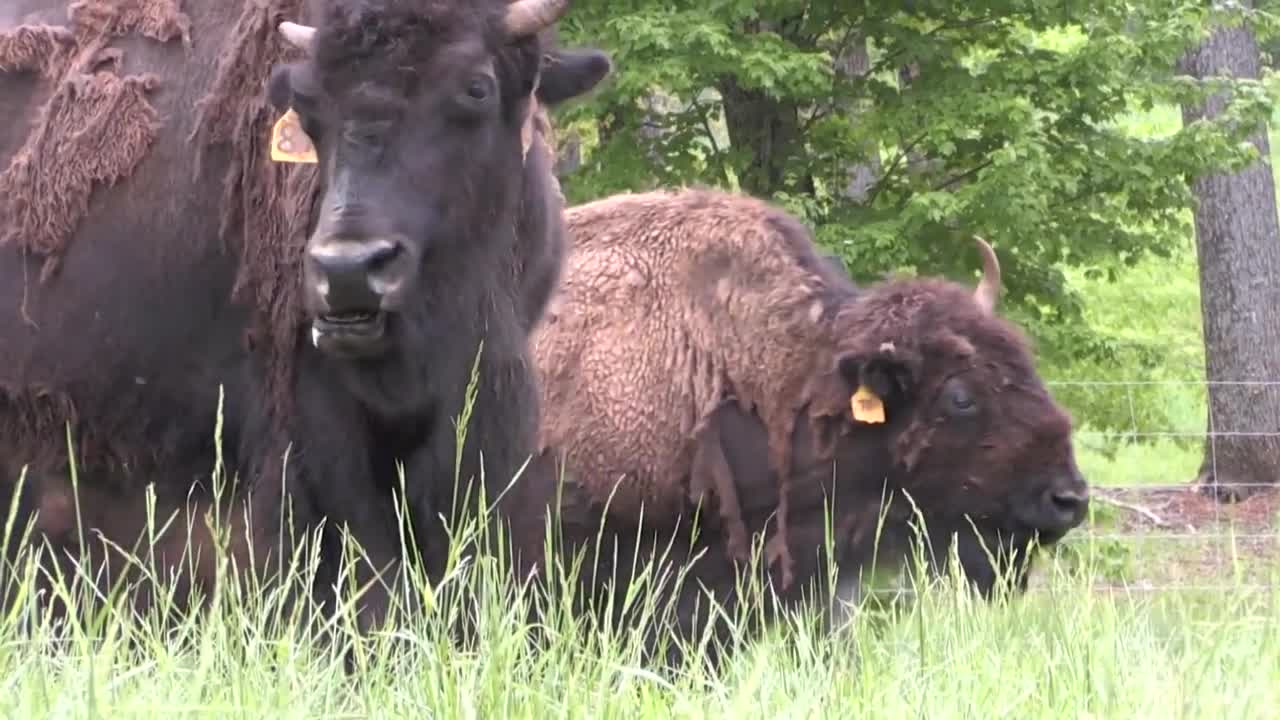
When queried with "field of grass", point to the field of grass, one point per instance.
{"points": [[1163, 606], [1072, 647]]}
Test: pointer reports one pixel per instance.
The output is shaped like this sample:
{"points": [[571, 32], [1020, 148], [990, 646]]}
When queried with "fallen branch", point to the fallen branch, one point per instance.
{"points": [[1144, 512]]}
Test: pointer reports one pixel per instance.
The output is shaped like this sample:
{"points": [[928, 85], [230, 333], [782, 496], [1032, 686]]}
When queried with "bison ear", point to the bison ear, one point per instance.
{"points": [[280, 87], [291, 85], [889, 372], [567, 74]]}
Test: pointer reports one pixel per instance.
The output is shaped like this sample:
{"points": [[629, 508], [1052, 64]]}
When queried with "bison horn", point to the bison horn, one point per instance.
{"points": [[527, 17], [988, 289], [300, 36]]}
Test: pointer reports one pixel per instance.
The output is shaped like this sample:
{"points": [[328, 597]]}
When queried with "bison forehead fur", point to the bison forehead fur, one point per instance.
{"points": [[674, 301]]}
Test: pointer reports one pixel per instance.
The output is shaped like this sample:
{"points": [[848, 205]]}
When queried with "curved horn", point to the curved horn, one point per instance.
{"points": [[988, 289], [527, 17], [300, 36]]}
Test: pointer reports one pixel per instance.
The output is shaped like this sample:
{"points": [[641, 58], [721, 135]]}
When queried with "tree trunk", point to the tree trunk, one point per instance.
{"points": [[767, 130], [1238, 243], [856, 63], [568, 155]]}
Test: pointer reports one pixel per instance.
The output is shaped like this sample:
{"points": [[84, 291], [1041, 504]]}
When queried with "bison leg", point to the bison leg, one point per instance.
{"points": [[778, 549], [379, 561], [711, 470]]}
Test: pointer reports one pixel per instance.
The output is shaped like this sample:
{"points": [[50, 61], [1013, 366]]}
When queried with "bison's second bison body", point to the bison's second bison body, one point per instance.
{"points": [[700, 349], [152, 256]]}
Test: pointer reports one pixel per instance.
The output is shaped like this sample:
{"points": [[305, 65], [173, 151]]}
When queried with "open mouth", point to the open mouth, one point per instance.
{"points": [[350, 327], [351, 320]]}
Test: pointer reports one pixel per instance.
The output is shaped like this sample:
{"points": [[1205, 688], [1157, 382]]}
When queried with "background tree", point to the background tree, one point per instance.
{"points": [[897, 130], [1238, 237]]}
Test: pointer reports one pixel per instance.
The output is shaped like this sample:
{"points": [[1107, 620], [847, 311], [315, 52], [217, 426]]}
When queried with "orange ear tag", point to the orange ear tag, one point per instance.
{"points": [[866, 406], [289, 142]]}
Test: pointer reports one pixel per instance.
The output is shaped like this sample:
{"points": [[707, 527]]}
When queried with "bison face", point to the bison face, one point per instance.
{"points": [[421, 122], [974, 436]]}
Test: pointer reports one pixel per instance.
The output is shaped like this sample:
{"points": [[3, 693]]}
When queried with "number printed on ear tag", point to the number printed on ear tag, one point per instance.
{"points": [[866, 406], [289, 142]]}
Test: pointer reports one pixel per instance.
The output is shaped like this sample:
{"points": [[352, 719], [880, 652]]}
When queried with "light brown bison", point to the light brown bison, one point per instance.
{"points": [[685, 318]]}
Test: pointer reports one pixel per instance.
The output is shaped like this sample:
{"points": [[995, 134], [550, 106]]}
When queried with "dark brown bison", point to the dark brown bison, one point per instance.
{"points": [[153, 257], [699, 350]]}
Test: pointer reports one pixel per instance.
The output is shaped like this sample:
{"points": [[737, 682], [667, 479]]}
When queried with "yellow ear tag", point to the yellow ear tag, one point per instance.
{"points": [[289, 142], [866, 406]]}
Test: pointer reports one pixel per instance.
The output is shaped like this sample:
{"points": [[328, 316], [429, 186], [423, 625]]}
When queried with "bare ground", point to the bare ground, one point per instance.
{"points": [[1175, 537]]}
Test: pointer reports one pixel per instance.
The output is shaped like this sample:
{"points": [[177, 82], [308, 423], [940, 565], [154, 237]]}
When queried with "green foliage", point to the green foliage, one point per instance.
{"points": [[1015, 127], [1144, 373]]}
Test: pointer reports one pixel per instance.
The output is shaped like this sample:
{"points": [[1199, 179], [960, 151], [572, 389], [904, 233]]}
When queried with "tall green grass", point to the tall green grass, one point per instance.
{"points": [[1065, 650]]}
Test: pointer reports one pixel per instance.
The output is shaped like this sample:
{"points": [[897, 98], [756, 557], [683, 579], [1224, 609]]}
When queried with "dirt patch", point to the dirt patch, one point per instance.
{"points": [[1186, 509], [1177, 537]]}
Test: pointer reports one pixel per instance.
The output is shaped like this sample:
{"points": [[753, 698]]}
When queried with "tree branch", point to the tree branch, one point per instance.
{"points": [[903, 152], [956, 179]]}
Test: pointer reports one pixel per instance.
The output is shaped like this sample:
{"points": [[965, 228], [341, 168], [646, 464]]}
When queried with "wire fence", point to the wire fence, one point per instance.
{"points": [[1163, 528]]}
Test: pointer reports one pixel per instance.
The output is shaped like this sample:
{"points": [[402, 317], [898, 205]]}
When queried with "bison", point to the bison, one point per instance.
{"points": [[700, 352], [156, 266]]}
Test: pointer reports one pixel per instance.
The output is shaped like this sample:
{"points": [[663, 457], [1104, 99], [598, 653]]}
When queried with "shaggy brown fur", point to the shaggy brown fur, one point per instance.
{"points": [[673, 302], [47, 184], [267, 205], [269, 202], [734, 291], [161, 20], [43, 49], [96, 126]]}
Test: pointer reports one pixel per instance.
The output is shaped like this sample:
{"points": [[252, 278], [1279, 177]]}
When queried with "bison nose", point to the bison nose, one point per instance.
{"points": [[355, 273], [1066, 506]]}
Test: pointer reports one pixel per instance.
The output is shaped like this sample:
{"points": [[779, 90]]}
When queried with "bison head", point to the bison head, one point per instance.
{"points": [[973, 433], [420, 115]]}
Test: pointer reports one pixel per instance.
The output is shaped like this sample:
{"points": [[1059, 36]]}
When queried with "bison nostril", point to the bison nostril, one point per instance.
{"points": [[1069, 502], [382, 255], [354, 272]]}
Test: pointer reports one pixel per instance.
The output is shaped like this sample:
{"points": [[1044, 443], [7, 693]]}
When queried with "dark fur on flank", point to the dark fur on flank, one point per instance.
{"points": [[183, 280]]}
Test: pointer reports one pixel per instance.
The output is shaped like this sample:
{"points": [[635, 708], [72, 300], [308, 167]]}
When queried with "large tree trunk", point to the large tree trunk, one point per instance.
{"points": [[856, 63], [765, 129], [768, 130], [1238, 242]]}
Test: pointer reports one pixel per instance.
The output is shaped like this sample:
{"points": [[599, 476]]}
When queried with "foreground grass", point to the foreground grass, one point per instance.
{"points": [[1070, 648], [1065, 651]]}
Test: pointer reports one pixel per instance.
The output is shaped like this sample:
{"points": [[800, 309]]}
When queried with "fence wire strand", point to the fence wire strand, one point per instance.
{"points": [[1181, 511]]}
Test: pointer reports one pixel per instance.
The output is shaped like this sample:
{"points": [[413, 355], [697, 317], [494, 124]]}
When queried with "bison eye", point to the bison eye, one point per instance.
{"points": [[479, 89], [958, 398]]}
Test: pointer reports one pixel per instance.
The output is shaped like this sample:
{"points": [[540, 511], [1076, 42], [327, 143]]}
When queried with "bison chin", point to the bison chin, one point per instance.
{"points": [[989, 558]]}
